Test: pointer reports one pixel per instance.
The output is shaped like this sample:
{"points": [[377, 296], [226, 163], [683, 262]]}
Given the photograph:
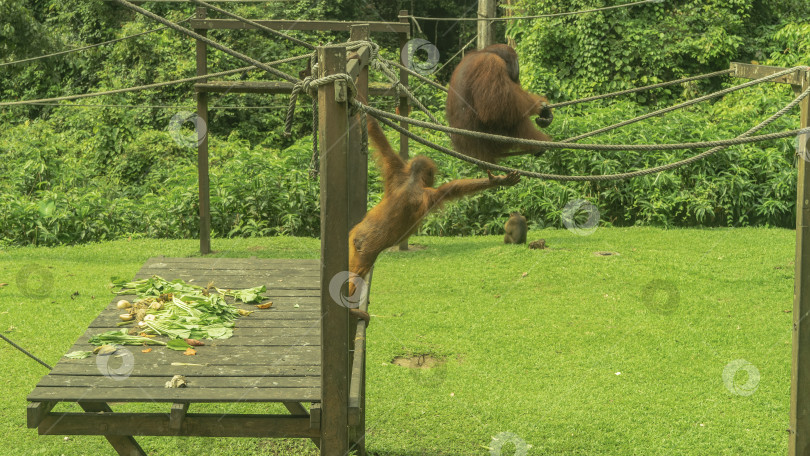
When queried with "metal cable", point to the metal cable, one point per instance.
{"points": [[151, 86], [209, 41], [25, 351], [31, 59], [639, 89]]}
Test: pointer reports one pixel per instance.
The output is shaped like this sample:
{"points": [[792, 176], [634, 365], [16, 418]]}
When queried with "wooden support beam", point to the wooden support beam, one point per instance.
{"points": [[315, 416], [122, 425], [202, 144], [36, 411], [177, 415], [749, 71], [325, 26], [296, 409], [799, 440], [333, 127], [123, 443]]}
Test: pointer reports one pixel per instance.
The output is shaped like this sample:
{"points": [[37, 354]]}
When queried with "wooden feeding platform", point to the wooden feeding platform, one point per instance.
{"points": [[273, 356]]}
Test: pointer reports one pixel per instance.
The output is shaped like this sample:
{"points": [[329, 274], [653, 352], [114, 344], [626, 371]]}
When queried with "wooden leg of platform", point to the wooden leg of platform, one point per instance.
{"points": [[296, 409], [125, 445]]}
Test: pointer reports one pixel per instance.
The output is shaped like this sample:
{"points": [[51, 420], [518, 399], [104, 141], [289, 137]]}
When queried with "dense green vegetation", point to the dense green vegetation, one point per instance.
{"points": [[74, 173], [572, 353]]}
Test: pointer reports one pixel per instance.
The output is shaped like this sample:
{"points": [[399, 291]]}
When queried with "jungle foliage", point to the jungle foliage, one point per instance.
{"points": [[111, 167]]}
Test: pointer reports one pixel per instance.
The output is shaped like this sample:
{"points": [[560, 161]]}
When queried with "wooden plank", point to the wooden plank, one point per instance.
{"points": [[358, 157], [167, 371], [228, 273], [194, 424], [333, 124], [162, 394], [36, 411], [86, 381], [799, 440], [202, 145], [247, 322], [217, 262], [749, 71], [326, 26], [310, 337], [123, 444], [177, 415]]}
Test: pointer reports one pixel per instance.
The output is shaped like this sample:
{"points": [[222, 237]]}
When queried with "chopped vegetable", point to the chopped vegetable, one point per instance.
{"points": [[79, 354]]}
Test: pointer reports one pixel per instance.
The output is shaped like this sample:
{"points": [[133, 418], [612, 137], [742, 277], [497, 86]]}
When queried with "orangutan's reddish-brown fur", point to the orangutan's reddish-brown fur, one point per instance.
{"points": [[408, 195], [485, 95]]}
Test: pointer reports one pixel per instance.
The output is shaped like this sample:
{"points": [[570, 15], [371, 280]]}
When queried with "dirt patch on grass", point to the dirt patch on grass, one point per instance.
{"points": [[425, 361]]}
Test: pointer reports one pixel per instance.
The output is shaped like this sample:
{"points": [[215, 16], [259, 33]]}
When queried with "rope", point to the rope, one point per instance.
{"points": [[255, 24], [89, 46], [534, 17], [315, 161], [564, 145], [682, 105], [556, 177], [150, 86], [25, 351], [208, 41], [639, 89], [567, 143]]}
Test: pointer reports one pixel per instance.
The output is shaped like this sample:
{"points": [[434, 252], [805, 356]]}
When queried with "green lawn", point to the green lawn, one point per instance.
{"points": [[567, 351]]}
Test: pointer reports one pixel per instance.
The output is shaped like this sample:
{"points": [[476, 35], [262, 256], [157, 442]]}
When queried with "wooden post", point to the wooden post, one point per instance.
{"points": [[358, 203], [358, 158], [202, 144], [486, 10], [799, 443], [404, 108], [333, 127]]}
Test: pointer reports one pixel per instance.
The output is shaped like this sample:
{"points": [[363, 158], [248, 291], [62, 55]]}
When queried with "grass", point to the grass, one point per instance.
{"points": [[569, 352]]}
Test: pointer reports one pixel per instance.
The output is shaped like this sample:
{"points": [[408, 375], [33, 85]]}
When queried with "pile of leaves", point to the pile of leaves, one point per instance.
{"points": [[183, 312]]}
